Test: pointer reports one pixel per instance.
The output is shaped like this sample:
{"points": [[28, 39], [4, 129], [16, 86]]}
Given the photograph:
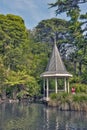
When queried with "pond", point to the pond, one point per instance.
{"points": [[25, 116]]}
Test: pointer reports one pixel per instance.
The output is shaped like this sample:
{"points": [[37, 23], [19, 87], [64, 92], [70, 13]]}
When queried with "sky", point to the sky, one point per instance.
{"points": [[32, 11]]}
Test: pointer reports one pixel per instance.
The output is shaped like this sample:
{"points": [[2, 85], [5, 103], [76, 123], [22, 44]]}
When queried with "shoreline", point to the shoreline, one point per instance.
{"points": [[68, 106], [8, 101], [62, 106]]}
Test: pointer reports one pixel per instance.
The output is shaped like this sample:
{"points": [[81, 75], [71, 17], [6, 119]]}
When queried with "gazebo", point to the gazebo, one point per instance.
{"points": [[55, 70]]}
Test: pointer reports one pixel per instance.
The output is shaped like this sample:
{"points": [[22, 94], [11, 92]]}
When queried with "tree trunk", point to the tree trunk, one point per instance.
{"points": [[14, 93], [80, 68], [75, 65], [3, 94]]}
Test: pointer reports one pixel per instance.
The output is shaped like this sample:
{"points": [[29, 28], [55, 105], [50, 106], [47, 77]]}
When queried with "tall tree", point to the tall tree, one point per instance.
{"points": [[49, 30], [76, 33], [17, 57], [13, 35], [66, 5]]}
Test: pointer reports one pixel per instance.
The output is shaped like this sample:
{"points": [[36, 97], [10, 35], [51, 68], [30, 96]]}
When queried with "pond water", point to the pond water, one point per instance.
{"points": [[24, 116]]}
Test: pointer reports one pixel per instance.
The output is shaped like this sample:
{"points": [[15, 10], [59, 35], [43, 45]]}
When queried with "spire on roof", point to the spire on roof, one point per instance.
{"points": [[55, 66], [55, 63]]}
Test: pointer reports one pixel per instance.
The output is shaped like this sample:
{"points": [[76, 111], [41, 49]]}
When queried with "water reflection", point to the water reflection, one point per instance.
{"points": [[24, 116]]}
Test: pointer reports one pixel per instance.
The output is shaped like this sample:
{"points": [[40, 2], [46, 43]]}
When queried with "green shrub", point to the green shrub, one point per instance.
{"points": [[76, 98], [59, 96], [75, 79], [80, 88], [53, 96], [80, 98], [64, 95]]}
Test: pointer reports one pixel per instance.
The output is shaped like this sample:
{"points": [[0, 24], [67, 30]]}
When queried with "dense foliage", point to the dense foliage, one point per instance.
{"points": [[69, 102], [64, 97], [70, 40], [77, 34], [51, 30], [67, 5], [20, 59], [24, 53]]}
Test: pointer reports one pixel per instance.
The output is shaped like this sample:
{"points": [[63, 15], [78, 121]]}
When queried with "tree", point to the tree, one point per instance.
{"points": [[16, 54], [66, 5], [76, 32], [21, 84], [2, 79], [13, 30], [13, 36], [47, 31]]}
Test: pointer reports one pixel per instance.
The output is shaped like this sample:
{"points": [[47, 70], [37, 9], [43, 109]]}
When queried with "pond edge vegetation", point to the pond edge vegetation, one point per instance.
{"points": [[68, 102]]}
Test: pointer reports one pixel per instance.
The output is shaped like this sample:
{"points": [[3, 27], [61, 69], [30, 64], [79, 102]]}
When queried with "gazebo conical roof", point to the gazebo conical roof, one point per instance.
{"points": [[55, 67]]}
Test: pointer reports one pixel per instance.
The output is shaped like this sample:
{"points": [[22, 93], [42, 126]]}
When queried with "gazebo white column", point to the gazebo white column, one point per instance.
{"points": [[65, 84], [68, 85], [56, 84], [47, 92], [43, 87]]}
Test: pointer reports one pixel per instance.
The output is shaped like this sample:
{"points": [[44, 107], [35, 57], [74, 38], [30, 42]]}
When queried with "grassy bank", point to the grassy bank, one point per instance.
{"points": [[71, 102]]}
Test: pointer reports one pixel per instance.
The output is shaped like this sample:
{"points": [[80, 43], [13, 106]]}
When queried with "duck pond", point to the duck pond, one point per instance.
{"points": [[34, 116]]}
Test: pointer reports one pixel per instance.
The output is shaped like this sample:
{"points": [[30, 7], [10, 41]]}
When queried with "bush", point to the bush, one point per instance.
{"points": [[80, 98], [59, 96], [80, 88], [53, 96], [75, 79]]}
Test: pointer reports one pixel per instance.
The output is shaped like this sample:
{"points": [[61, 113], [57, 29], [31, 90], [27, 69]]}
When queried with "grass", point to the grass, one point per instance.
{"points": [[65, 97]]}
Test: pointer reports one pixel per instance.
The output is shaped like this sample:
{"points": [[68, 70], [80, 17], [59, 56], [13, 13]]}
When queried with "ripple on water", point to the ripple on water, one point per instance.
{"points": [[39, 117]]}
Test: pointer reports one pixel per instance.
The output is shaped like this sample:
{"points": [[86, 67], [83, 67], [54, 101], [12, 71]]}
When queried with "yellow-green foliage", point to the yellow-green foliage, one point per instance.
{"points": [[59, 96], [80, 88], [80, 98], [75, 79], [64, 97]]}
